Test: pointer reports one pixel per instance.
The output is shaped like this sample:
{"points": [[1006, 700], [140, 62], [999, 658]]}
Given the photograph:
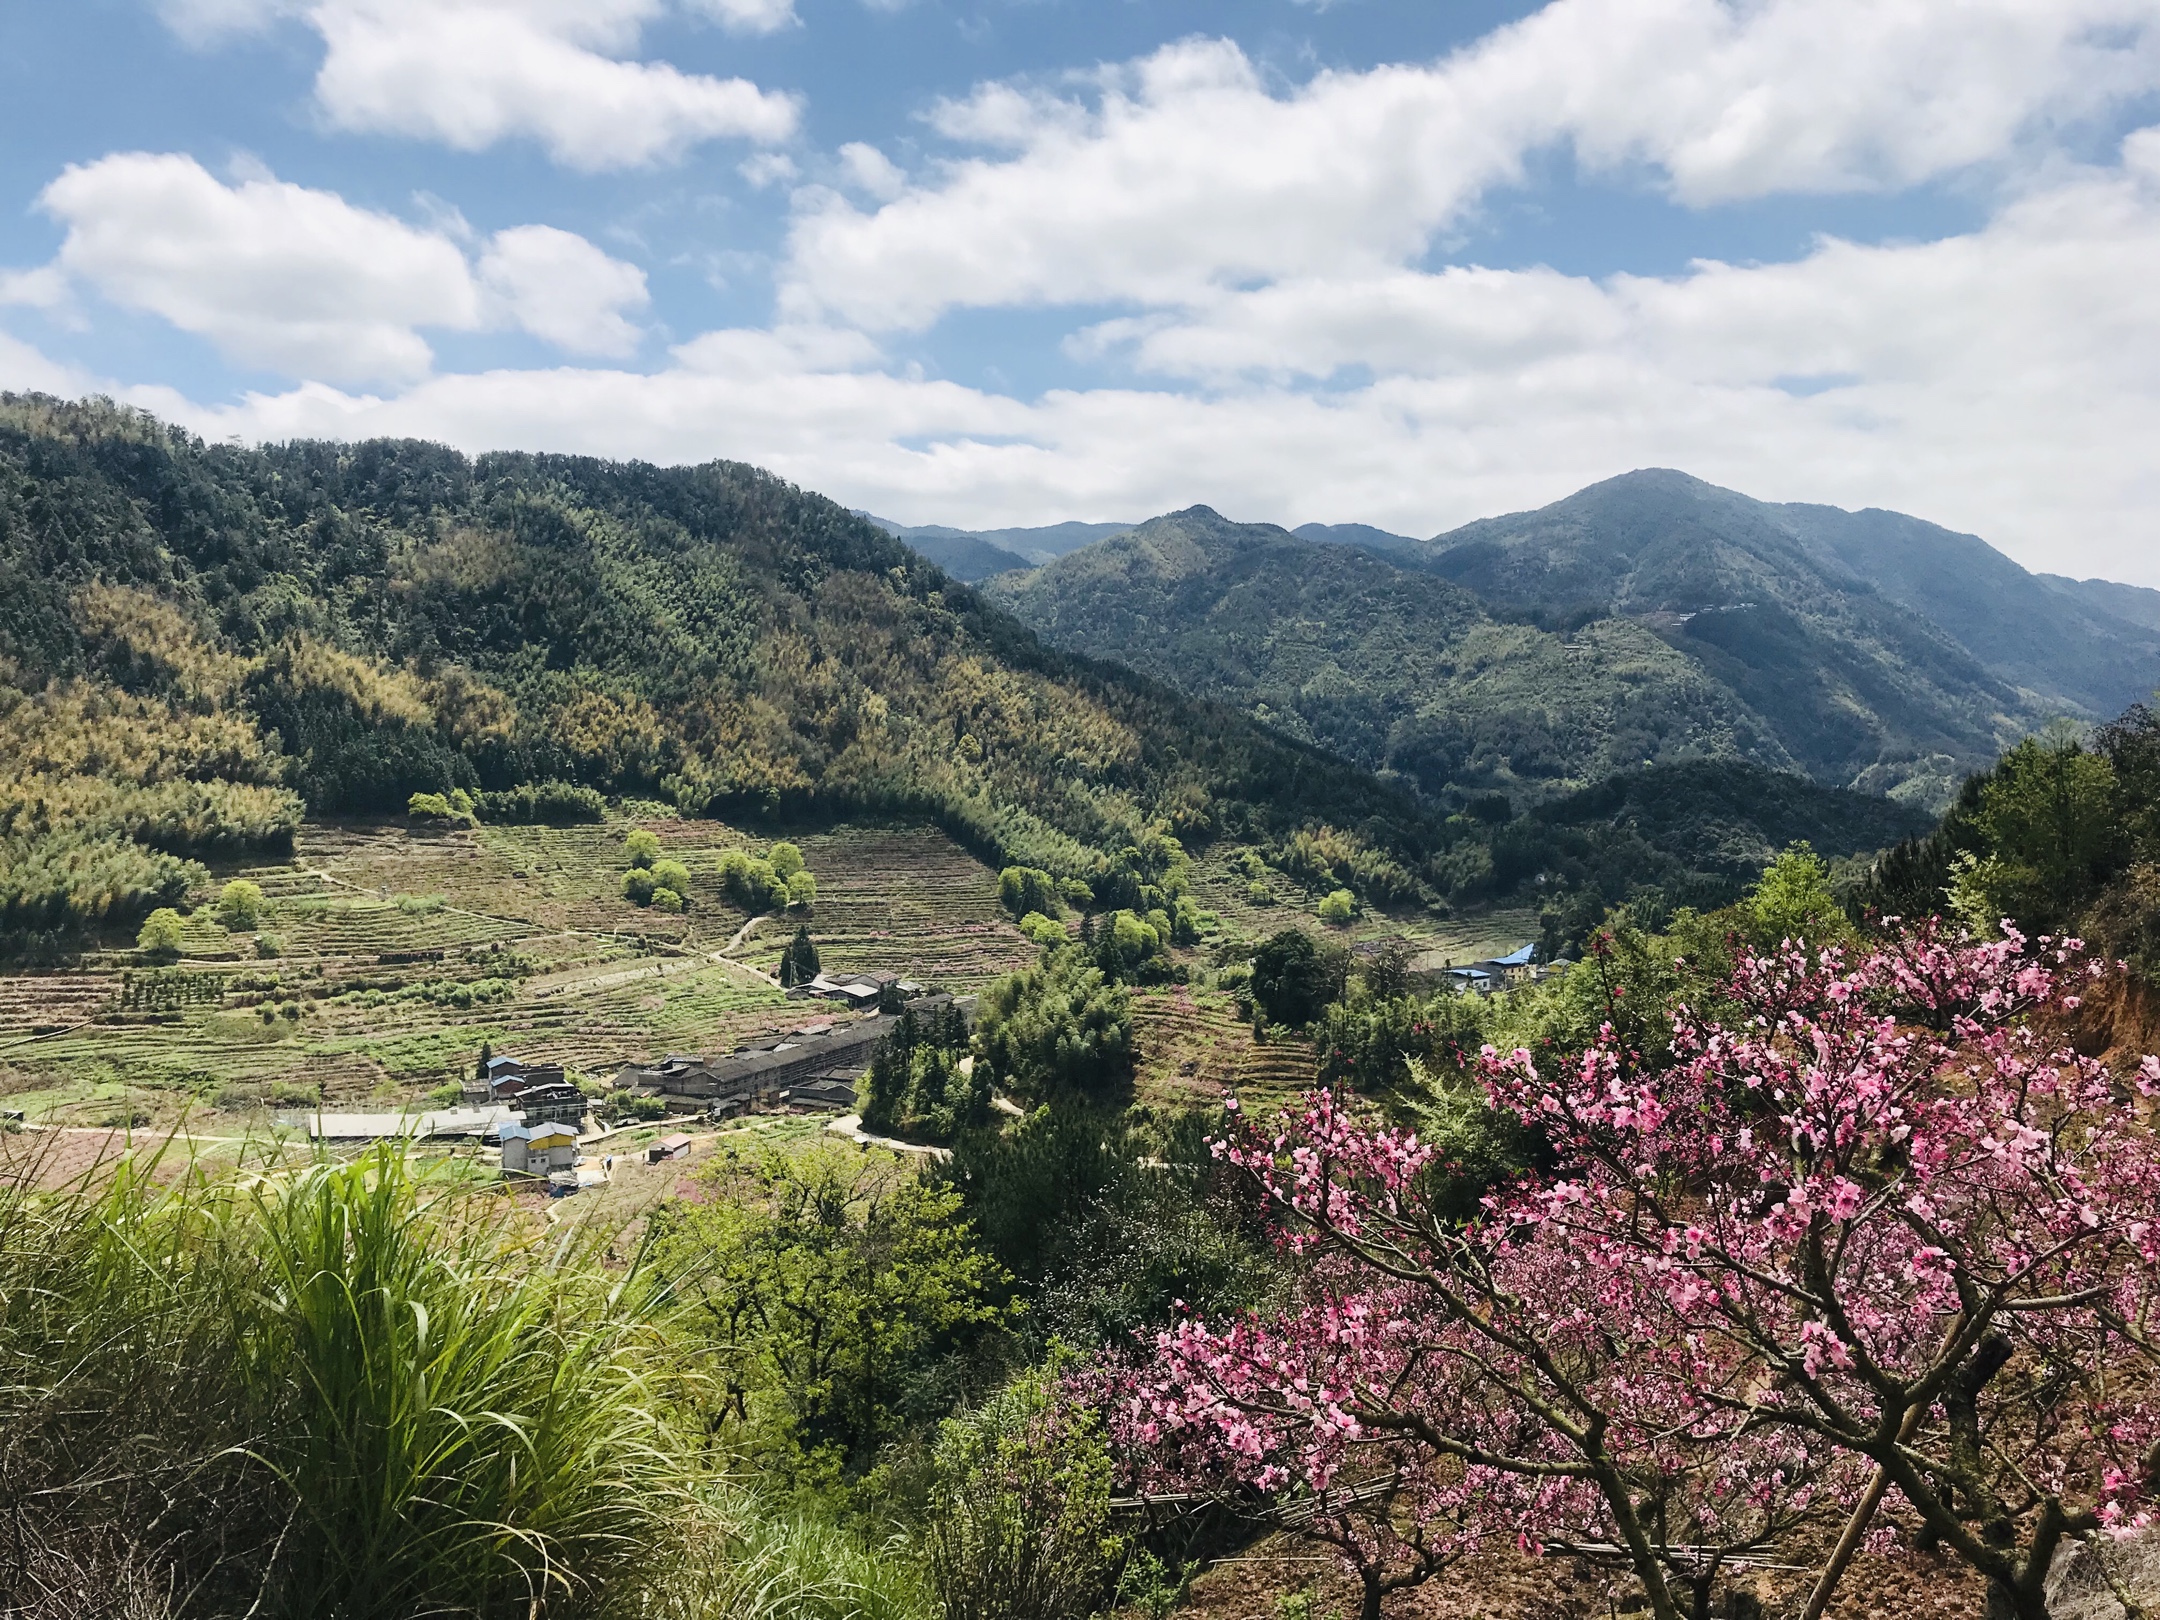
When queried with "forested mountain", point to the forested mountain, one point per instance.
{"points": [[1355, 534], [1649, 618], [197, 641], [202, 644], [1394, 668], [1868, 641]]}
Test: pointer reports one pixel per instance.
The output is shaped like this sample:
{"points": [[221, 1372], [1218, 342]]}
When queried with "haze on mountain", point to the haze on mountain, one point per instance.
{"points": [[1649, 618], [974, 555]]}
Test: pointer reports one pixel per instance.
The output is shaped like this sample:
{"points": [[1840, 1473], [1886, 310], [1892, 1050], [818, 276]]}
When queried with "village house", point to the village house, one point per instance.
{"points": [[538, 1149], [558, 1101], [815, 1066], [508, 1078]]}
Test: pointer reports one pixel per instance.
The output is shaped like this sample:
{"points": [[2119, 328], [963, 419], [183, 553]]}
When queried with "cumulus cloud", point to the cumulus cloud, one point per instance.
{"points": [[2002, 381], [302, 282], [1187, 171], [561, 288], [472, 73]]}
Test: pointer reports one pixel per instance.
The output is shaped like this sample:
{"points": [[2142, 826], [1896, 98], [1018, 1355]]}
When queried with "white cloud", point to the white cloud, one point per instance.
{"points": [[471, 73], [1186, 172], [561, 288], [871, 171], [274, 274], [203, 22], [302, 282], [749, 16], [2006, 381], [764, 169], [42, 288]]}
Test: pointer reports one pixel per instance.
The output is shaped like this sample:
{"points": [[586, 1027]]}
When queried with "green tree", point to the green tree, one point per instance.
{"points": [[161, 932], [638, 886], [799, 962], [785, 860], [641, 845], [1794, 901], [1129, 948], [2052, 830], [666, 899], [239, 905], [1338, 908], [671, 874], [1019, 1524], [823, 1286], [801, 890], [1022, 889], [1060, 1025], [1293, 978]]}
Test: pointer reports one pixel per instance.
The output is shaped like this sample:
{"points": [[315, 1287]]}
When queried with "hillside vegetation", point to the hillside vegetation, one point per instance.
{"points": [[199, 645], [1647, 619], [1393, 668], [197, 641]]}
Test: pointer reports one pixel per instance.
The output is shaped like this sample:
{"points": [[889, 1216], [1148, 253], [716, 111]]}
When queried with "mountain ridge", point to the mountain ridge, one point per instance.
{"points": [[1871, 649]]}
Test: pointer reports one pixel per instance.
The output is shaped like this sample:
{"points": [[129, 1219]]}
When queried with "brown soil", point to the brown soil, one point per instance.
{"points": [[1281, 1579]]}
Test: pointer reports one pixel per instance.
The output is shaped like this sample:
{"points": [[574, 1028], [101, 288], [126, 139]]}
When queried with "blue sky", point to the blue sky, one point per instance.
{"points": [[1014, 261]]}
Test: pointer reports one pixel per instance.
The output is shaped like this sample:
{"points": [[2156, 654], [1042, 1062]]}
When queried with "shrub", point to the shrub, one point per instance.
{"points": [[429, 807], [638, 886], [559, 804], [1042, 931], [1338, 908], [666, 899], [785, 860], [161, 932], [1019, 1523], [671, 874], [239, 905], [269, 945], [306, 1391]]}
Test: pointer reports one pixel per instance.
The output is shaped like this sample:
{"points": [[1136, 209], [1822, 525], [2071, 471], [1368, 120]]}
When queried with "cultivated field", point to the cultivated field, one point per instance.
{"points": [[387, 955]]}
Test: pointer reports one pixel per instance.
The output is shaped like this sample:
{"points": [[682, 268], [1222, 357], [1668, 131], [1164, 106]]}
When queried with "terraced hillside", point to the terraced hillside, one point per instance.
{"points": [[398, 952]]}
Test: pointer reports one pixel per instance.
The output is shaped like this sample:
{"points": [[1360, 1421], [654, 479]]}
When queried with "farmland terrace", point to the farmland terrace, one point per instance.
{"points": [[386, 955]]}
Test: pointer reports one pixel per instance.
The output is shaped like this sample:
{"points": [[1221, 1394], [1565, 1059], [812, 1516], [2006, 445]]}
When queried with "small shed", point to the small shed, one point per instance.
{"points": [[538, 1148], [668, 1147]]}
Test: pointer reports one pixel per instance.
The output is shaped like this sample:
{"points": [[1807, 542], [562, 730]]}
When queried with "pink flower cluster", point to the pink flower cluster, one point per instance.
{"points": [[1879, 1220]]}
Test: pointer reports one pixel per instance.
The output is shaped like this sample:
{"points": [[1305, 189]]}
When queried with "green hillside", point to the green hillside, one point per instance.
{"points": [[1877, 648], [1393, 668], [200, 640]]}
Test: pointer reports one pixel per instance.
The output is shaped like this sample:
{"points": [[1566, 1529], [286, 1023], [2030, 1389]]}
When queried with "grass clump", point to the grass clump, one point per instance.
{"points": [[339, 1390]]}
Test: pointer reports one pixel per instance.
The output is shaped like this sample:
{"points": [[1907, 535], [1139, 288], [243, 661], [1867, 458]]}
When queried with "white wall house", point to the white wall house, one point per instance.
{"points": [[536, 1149]]}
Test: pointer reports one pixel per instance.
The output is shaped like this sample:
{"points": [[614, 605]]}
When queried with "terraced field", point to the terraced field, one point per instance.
{"points": [[387, 955], [903, 902], [1194, 1048]]}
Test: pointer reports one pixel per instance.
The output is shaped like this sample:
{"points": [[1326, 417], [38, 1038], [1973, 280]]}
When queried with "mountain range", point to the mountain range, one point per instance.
{"points": [[1649, 618], [200, 645]]}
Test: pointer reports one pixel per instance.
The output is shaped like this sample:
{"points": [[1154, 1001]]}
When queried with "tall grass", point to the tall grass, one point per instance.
{"points": [[348, 1391], [466, 1424]]}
